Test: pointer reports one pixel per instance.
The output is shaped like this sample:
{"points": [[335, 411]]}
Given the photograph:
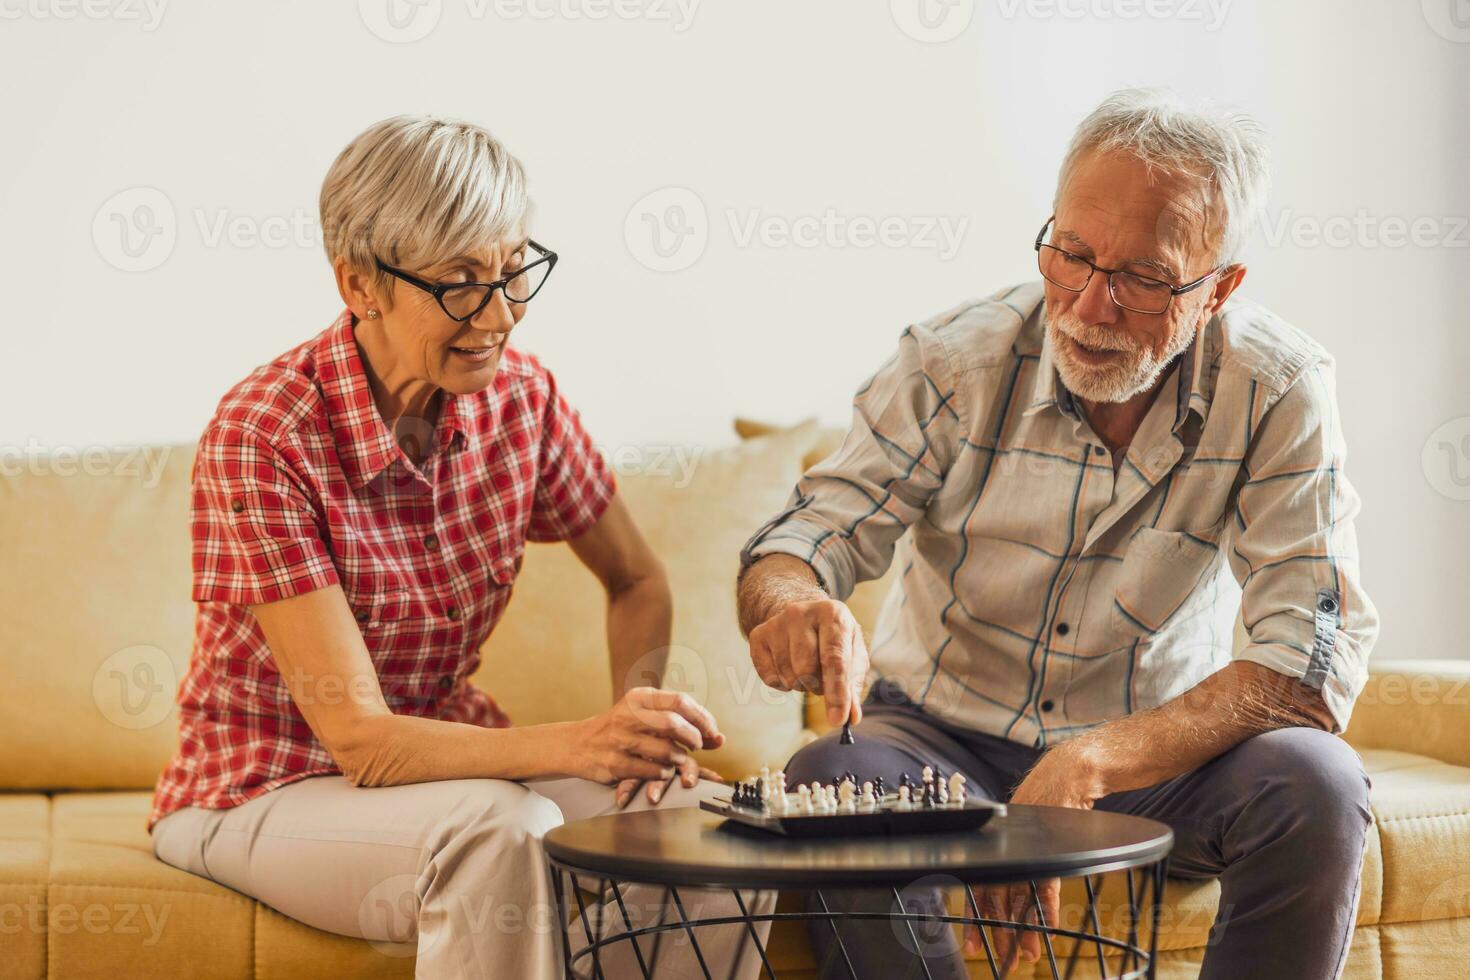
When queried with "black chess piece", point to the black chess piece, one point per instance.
{"points": [[903, 780], [846, 738], [926, 800], [878, 787]]}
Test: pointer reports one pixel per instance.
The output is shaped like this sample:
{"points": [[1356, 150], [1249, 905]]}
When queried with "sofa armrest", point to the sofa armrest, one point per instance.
{"points": [[1419, 706]]}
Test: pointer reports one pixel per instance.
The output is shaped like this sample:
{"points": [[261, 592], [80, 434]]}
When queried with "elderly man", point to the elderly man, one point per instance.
{"points": [[1062, 473]]}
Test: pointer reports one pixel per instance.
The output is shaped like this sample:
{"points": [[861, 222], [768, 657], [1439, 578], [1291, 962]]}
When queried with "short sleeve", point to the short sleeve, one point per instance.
{"points": [[573, 482], [256, 535]]}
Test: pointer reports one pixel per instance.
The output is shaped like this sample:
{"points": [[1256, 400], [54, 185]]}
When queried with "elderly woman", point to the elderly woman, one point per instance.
{"points": [[360, 508]]}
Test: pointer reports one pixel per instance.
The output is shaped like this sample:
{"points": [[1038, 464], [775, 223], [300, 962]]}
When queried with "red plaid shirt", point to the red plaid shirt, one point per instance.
{"points": [[299, 485]]}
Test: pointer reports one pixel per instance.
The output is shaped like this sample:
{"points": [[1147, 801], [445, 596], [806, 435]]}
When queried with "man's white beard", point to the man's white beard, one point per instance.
{"points": [[1135, 371]]}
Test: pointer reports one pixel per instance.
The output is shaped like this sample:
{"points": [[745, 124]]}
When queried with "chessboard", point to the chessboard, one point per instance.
{"points": [[847, 807]]}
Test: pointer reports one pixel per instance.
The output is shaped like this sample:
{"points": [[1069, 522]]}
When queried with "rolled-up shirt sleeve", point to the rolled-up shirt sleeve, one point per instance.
{"points": [[846, 513], [256, 533], [1295, 551]]}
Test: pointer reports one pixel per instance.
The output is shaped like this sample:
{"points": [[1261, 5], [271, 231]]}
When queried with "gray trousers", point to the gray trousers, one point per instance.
{"points": [[1281, 820]]}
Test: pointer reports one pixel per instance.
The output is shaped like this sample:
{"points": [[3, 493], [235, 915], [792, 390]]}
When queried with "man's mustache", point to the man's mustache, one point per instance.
{"points": [[1095, 337]]}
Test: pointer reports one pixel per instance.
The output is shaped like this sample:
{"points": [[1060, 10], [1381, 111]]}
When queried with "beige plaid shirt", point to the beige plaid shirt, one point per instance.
{"points": [[1042, 593]]}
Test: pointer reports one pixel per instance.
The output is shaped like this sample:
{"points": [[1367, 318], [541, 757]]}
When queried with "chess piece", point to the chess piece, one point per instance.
{"points": [[879, 791], [846, 738], [903, 780], [927, 799], [941, 788], [804, 797], [903, 798], [957, 788], [927, 775], [868, 798], [845, 795]]}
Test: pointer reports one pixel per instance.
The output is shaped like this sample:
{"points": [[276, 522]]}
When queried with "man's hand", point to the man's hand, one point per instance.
{"points": [[815, 646], [1064, 776]]}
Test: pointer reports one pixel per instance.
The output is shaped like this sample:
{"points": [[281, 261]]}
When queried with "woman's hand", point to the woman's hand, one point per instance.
{"points": [[646, 736]]}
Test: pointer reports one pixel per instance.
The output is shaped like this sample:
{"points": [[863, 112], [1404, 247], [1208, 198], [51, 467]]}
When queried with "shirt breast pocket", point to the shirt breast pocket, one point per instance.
{"points": [[1161, 571]]}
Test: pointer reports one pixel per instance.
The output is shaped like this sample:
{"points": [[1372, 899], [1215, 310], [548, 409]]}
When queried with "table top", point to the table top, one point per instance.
{"points": [[687, 846]]}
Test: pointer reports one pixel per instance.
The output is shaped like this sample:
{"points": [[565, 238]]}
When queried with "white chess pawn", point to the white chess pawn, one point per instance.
{"points": [[957, 788], [868, 798], [780, 781], [903, 798], [941, 791], [765, 783], [831, 797]]}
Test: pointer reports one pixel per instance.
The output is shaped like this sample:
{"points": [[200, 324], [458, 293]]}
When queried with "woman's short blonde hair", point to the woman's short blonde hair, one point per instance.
{"points": [[415, 190]]}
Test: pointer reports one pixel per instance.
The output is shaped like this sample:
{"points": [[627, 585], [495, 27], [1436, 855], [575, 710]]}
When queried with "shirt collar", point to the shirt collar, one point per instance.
{"points": [[1048, 389], [364, 443]]}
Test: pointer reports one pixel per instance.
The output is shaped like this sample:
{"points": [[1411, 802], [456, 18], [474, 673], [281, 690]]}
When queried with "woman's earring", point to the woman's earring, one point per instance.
{"points": [[372, 314]]}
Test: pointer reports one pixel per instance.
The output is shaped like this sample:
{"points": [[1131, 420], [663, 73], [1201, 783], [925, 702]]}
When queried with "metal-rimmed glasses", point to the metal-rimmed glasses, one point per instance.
{"points": [[1132, 292], [461, 301]]}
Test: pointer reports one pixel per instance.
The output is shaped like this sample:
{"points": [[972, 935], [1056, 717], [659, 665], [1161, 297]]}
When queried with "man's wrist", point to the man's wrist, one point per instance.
{"points": [[1090, 765]]}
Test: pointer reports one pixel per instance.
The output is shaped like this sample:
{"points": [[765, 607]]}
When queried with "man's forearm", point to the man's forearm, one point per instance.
{"points": [[1233, 704], [639, 628], [771, 584]]}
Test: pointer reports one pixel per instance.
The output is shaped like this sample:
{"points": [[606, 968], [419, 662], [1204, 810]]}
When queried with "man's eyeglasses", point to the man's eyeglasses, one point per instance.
{"points": [[1138, 294], [462, 300]]}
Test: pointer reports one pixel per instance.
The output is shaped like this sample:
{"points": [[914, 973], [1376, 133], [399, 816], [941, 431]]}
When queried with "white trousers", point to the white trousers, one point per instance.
{"points": [[453, 868]]}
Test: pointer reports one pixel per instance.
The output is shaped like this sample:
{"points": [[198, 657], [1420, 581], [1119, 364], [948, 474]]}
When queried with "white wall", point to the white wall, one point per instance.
{"points": [[766, 108]]}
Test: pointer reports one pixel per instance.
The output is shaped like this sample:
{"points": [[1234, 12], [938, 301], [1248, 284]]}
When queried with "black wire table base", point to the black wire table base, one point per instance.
{"points": [[1132, 956]]}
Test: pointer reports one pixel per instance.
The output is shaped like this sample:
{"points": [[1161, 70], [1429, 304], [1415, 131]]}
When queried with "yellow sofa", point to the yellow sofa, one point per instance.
{"points": [[96, 628]]}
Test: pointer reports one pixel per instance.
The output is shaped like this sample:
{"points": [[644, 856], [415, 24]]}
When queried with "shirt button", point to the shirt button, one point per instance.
{"points": [[1063, 629], [1048, 704], [453, 613], [238, 506], [361, 616], [446, 684], [431, 541]]}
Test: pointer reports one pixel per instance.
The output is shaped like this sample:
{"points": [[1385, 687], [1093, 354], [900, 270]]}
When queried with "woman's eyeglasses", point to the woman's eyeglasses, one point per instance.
{"points": [[461, 301]]}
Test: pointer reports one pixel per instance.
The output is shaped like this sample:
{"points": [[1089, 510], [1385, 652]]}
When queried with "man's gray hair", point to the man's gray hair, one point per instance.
{"points": [[1224, 146]]}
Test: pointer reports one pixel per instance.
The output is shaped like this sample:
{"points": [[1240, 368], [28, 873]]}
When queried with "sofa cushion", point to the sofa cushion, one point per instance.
{"points": [[547, 660], [97, 623], [25, 854]]}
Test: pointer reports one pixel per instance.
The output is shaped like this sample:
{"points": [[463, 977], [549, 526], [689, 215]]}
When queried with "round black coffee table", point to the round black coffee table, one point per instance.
{"points": [[687, 847]]}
